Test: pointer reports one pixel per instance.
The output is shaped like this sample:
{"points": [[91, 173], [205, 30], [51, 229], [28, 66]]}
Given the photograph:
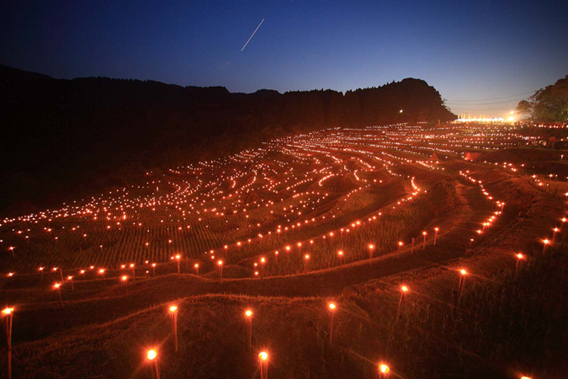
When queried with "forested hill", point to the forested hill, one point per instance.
{"points": [[65, 138]]}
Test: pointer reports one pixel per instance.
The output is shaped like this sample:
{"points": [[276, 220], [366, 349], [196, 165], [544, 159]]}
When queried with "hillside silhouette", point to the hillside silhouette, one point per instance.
{"points": [[63, 139]]}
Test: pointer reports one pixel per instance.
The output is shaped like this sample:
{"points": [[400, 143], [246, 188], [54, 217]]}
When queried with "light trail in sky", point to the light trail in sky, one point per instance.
{"points": [[252, 35]]}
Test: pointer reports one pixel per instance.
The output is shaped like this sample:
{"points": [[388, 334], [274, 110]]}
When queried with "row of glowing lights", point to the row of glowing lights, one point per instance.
{"points": [[124, 215], [510, 166], [392, 173], [333, 157], [220, 263], [259, 235], [331, 234], [288, 248], [307, 257], [307, 135], [166, 195], [239, 244], [263, 356], [501, 204], [279, 229]]}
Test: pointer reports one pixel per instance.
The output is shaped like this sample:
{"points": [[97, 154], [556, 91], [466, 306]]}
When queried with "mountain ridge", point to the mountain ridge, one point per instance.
{"points": [[84, 135]]}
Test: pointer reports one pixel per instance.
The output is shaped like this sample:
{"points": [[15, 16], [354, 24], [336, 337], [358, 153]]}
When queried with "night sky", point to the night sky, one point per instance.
{"points": [[483, 56]]}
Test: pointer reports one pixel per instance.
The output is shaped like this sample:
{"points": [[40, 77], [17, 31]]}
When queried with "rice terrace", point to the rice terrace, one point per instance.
{"points": [[416, 247], [248, 223]]}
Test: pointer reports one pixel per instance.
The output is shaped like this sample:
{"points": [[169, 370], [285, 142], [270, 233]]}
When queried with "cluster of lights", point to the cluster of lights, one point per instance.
{"points": [[215, 193]]}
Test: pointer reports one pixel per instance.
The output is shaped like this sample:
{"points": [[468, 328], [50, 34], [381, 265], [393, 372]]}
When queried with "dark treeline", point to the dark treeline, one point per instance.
{"points": [[62, 139], [548, 104]]}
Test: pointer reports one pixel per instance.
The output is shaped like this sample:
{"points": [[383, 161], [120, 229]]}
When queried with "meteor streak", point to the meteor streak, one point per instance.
{"points": [[252, 35]]}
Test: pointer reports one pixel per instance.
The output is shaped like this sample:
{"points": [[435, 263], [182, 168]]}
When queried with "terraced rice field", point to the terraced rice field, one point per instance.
{"points": [[347, 216]]}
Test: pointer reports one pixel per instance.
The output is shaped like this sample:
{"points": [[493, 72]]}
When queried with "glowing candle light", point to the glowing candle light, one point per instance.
{"points": [[400, 244], [332, 307], [262, 262], [519, 258], [173, 312], [102, 272], [306, 260], [152, 356], [403, 291], [545, 242], [70, 278], [196, 266], [461, 283], [383, 370], [8, 313], [178, 259], [371, 249], [220, 264], [554, 231], [55, 269], [133, 267], [436, 229], [57, 286], [248, 317], [263, 359]]}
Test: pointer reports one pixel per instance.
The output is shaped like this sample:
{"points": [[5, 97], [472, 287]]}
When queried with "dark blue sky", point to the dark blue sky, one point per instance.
{"points": [[470, 51]]}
